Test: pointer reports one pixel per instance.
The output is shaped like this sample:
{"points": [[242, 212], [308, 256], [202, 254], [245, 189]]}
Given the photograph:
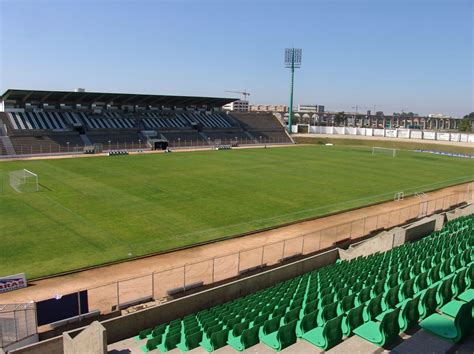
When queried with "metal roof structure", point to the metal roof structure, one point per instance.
{"points": [[87, 98]]}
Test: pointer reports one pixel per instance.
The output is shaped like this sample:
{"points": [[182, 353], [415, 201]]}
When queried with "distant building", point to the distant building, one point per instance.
{"points": [[438, 115], [311, 108], [268, 108], [237, 106]]}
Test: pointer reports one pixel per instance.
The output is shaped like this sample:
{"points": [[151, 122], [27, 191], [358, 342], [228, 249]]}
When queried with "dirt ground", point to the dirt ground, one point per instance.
{"points": [[222, 260]]}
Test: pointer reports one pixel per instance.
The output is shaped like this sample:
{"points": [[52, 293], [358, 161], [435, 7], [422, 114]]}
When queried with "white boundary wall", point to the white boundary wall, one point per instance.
{"points": [[392, 133]]}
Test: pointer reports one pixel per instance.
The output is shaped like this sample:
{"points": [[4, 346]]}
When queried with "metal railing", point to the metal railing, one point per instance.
{"points": [[161, 283], [22, 149]]}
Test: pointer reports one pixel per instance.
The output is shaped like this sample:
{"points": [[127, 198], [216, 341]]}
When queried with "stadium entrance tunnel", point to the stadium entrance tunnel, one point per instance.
{"points": [[159, 144]]}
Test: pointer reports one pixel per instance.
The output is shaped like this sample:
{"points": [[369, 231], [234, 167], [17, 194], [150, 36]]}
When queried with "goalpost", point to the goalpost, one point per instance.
{"points": [[386, 151], [24, 181]]}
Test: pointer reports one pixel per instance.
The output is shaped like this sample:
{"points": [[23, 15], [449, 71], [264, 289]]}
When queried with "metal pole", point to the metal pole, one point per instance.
{"points": [[290, 113], [79, 304], [213, 266], [118, 295], [153, 285], [238, 264], [283, 250]]}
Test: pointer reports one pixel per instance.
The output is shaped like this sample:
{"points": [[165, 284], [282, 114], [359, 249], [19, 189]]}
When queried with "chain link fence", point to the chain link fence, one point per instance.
{"points": [[17, 321]]}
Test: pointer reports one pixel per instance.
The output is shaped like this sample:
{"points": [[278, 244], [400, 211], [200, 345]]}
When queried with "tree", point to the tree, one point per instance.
{"points": [[339, 118], [467, 122]]}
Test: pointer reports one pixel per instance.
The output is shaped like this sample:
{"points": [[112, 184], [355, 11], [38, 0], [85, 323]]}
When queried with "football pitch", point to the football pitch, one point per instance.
{"points": [[90, 211]]}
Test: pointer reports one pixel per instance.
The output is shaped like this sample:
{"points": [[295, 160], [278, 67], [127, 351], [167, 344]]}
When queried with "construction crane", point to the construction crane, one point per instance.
{"points": [[243, 93], [357, 108]]}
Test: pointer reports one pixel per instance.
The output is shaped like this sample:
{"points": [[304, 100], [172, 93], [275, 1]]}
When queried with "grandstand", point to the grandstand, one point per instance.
{"points": [[42, 122], [429, 282]]}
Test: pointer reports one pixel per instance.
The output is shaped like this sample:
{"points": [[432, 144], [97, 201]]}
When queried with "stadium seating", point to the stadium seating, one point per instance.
{"points": [[263, 126], [374, 297], [39, 120], [46, 143], [40, 131], [99, 122]]}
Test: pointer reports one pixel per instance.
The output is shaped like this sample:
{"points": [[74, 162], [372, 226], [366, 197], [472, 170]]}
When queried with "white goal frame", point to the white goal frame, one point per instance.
{"points": [[388, 151], [19, 178]]}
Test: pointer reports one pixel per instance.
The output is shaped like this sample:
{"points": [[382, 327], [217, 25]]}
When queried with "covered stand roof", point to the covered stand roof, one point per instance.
{"points": [[85, 98]]}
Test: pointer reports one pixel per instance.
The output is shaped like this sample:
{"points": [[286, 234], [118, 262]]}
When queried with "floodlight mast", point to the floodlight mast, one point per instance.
{"points": [[292, 61]]}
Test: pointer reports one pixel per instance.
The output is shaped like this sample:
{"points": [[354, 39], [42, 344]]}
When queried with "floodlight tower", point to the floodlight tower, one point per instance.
{"points": [[292, 61]]}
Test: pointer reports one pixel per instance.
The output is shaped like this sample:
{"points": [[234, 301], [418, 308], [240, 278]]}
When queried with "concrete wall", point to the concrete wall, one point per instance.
{"points": [[129, 325], [457, 213], [93, 340], [391, 133], [382, 242], [49, 346], [423, 227]]}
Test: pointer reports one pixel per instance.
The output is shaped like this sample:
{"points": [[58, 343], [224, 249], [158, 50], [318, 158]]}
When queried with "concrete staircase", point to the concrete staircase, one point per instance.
{"points": [[85, 139], [7, 143], [205, 137], [251, 137]]}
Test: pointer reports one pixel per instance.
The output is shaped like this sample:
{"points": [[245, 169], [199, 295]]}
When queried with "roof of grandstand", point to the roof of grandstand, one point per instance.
{"points": [[73, 97]]}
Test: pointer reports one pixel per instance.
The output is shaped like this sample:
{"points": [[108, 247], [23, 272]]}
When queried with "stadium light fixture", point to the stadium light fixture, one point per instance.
{"points": [[292, 61]]}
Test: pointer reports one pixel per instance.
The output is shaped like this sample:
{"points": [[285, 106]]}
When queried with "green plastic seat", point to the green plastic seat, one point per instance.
{"points": [[326, 300], [459, 282], [143, 334], [327, 336], [348, 302], [467, 296], [365, 295], [310, 307], [422, 281], [391, 297], [238, 329], [449, 327], [355, 318], [375, 307], [260, 319], [292, 315], [307, 323], [409, 314], [190, 341], [445, 291], [159, 330], [270, 326], [151, 344], [428, 300], [279, 312], [215, 341], [381, 333], [170, 340], [328, 313], [407, 290], [282, 338], [247, 339]]}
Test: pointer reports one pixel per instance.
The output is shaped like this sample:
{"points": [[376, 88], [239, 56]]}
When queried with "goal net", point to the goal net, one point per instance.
{"points": [[385, 151], [24, 181]]}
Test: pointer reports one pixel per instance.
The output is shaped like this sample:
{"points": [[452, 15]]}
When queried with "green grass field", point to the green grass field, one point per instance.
{"points": [[95, 210]]}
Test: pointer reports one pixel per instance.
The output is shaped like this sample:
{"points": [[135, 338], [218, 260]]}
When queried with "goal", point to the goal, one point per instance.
{"points": [[24, 181], [386, 151]]}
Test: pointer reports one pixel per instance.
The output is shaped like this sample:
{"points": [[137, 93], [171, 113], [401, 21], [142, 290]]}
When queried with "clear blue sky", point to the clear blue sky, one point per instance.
{"points": [[415, 55]]}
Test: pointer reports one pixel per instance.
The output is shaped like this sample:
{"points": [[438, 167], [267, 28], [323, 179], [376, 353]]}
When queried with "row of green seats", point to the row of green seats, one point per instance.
{"points": [[385, 292]]}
